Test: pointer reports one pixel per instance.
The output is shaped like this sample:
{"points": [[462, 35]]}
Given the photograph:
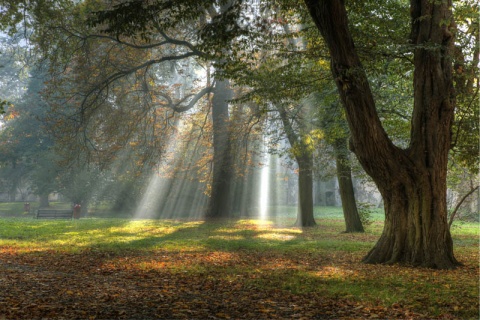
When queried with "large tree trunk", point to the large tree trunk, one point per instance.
{"points": [[345, 183], [305, 217], [411, 181], [220, 199], [416, 231]]}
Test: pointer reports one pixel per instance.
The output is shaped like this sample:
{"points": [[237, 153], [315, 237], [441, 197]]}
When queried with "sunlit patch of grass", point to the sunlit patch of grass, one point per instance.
{"points": [[253, 223], [276, 236], [227, 237], [333, 272]]}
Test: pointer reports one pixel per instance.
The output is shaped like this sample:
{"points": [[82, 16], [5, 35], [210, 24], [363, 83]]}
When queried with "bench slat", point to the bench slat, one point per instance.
{"points": [[54, 214]]}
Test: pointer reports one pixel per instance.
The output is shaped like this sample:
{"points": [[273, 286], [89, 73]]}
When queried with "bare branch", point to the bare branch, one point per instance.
{"points": [[179, 42], [104, 84], [454, 212], [179, 106]]}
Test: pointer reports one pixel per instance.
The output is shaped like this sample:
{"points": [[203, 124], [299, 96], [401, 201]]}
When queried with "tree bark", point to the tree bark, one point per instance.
{"points": [[43, 203], [305, 217], [411, 181], [220, 199], [345, 183]]}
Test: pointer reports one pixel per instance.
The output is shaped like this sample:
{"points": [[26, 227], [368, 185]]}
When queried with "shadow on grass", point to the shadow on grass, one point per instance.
{"points": [[228, 235], [241, 253]]}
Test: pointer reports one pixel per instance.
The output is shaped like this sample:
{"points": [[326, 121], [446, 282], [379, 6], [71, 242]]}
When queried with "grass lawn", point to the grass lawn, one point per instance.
{"points": [[116, 268]]}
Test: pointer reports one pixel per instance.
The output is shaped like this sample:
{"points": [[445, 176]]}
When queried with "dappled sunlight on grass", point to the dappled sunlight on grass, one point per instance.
{"points": [[190, 261], [238, 255], [253, 223], [227, 237], [333, 272], [85, 233], [268, 231], [276, 236]]}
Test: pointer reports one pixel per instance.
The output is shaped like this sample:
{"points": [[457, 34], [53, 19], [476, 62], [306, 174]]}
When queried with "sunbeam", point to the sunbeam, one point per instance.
{"points": [[264, 194], [150, 200], [157, 186], [174, 190]]}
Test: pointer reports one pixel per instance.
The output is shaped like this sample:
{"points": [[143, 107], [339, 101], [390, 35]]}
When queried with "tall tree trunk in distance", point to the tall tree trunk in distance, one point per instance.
{"points": [[84, 208], [43, 201], [412, 181], [12, 194], [220, 199], [345, 183], [305, 216], [249, 203]]}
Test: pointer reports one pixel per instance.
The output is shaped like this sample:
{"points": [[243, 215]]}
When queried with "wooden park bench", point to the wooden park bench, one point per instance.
{"points": [[54, 214]]}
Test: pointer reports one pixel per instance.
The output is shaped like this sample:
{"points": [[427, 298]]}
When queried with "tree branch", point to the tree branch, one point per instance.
{"points": [[454, 212], [100, 87], [179, 106], [168, 40]]}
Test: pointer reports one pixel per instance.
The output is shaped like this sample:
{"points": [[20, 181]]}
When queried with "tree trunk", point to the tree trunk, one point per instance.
{"points": [[273, 194], [220, 198], [411, 181], [305, 217], [344, 176], [413, 235], [43, 201], [249, 203], [84, 208]]}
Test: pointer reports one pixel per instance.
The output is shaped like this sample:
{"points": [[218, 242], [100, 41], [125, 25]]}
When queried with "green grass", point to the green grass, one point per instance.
{"points": [[320, 259], [119, 234]]}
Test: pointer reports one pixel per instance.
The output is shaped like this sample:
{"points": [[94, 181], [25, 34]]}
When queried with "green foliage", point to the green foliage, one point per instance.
{"points": [[366, 212], [16, 14], [307, 143], [25, 144], [466, 61]]}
